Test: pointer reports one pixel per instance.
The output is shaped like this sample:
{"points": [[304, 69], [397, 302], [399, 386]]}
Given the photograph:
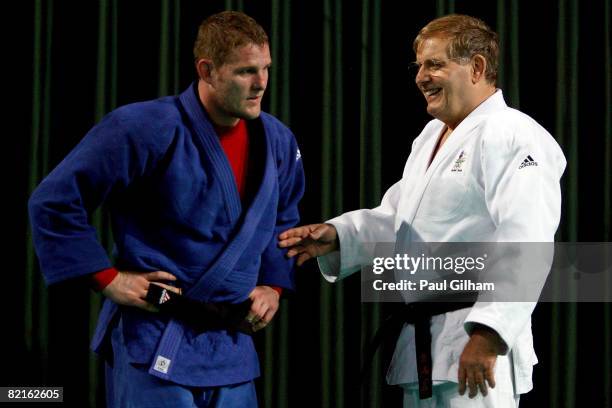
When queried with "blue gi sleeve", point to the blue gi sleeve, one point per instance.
{"points": [[120, 149], [276, 268]]}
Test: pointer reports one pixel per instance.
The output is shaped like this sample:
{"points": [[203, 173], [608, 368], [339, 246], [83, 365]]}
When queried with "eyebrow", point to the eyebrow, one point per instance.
{"points": [[427, 60]]}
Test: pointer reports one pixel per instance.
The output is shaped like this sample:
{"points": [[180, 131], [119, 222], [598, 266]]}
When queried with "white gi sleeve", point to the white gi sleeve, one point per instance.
{"points": [[358, 232], [521, 167]]}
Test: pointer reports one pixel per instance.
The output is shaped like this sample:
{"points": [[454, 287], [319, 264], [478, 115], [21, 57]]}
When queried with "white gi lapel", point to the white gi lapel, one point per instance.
{"points": [[459, 137]]}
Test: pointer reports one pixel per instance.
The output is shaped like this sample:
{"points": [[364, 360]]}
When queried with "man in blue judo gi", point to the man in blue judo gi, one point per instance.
{"points": [[198, 187]]}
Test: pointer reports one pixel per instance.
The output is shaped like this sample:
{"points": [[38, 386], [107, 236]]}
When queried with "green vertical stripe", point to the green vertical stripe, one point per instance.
{"points": [[607, 337], [42, 319], [274, 47], [370, 160], [560, 115], [501, 32], [114, 58], [101, 84], [269, 357], [176, 85], [338, 137], [325, 311], [514, 54], [607, 126], [573, 193], [100, 108], [283, 372], [285, 111], [164, 41], [34, 176], [284, 368], [440, 8], [363, 117]]}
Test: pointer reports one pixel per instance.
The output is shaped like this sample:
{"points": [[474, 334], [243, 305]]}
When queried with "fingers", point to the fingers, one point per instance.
{"points": [[471, 383], [473, 379], [304, 256], [480, 384], [462, 377], [159, 276], [319, 231], [263, 321], [295, 251], [298, 232], [264, 307], [173, 289], [144, 305], [130, 288], [289, 242], [490, 376]]}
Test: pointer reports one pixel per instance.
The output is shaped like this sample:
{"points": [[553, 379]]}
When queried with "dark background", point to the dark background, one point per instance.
{"points": [[340, 80]]}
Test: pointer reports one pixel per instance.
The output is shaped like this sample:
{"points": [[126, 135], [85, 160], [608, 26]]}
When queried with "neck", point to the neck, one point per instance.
{"points": [[479, 98]]}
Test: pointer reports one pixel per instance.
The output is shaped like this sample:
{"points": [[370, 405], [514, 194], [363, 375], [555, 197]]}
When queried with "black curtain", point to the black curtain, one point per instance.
{"points": [[340, 81]]}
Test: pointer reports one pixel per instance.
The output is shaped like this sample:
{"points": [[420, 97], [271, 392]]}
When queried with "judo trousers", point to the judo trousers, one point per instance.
{"points": [[446, 394], [129, 385]]}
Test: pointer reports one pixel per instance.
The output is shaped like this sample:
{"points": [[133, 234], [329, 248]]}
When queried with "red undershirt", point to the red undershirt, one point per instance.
{"points": [[235, 143]]}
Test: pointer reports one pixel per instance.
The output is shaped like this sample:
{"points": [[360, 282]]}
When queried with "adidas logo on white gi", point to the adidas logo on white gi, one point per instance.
{"points": [[528, 162]]}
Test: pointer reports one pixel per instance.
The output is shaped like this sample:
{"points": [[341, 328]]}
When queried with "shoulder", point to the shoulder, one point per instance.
{"points": [[508, 127], [149, 123], [278, 129], [509, 131], [279, 134], [155, 114]]}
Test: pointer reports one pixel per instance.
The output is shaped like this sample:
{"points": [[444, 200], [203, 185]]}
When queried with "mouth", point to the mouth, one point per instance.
{"points": [[430, 93], [254, 98]]}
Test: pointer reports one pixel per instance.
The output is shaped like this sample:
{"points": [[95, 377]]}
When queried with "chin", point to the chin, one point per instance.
{"points": [[251, 114]]}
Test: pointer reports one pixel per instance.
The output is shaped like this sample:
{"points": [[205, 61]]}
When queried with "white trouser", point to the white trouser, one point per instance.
{"points": [[446, 394]]}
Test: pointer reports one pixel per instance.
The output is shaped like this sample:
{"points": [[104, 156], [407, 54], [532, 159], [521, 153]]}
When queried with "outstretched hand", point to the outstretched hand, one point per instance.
{"points": [[309, 241]]}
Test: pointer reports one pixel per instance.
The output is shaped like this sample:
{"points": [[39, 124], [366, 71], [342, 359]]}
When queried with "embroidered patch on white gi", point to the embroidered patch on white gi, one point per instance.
{"points": [[162, 364], [457, 167], [528, 162], [298, 155]]}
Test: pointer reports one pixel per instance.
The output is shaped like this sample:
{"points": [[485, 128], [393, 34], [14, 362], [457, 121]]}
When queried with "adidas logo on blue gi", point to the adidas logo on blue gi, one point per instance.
{"points": [[528, 162]]}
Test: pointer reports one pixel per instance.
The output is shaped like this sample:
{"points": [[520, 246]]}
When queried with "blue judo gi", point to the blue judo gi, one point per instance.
{"points": [[175, 207]]}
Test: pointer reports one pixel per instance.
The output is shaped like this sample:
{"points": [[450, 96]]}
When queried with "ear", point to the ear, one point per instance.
{"points": [[205, 68], [479, 67]]}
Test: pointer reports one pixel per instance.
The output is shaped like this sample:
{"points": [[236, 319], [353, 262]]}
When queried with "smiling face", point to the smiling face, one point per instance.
{"points": [[234, 90], [446, 83]]}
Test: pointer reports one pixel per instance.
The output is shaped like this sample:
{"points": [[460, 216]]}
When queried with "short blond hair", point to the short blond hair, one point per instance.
{"points": [[223, 32]]}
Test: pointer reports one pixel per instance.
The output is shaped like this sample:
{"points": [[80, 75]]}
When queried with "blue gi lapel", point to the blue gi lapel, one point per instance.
{"points": [[223, 265], [220, 164]]}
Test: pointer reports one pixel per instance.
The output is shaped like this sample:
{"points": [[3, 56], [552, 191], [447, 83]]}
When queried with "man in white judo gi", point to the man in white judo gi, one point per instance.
{"points": [[479, 172]]}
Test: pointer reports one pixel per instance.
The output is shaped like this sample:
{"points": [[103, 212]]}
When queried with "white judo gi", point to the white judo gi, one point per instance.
{"points": [[496, 179]]}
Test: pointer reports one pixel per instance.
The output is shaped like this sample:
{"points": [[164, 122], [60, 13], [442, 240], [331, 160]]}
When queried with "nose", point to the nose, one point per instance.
{"points": [[421, 75], [260, 80]]}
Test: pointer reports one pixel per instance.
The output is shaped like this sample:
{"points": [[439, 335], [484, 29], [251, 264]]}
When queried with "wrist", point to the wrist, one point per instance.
{"points": [[496, 343], [103, 278]]}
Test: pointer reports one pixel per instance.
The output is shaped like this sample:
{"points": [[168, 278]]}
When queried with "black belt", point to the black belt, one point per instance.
{"points": [[419, 314], [201, 316]]}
